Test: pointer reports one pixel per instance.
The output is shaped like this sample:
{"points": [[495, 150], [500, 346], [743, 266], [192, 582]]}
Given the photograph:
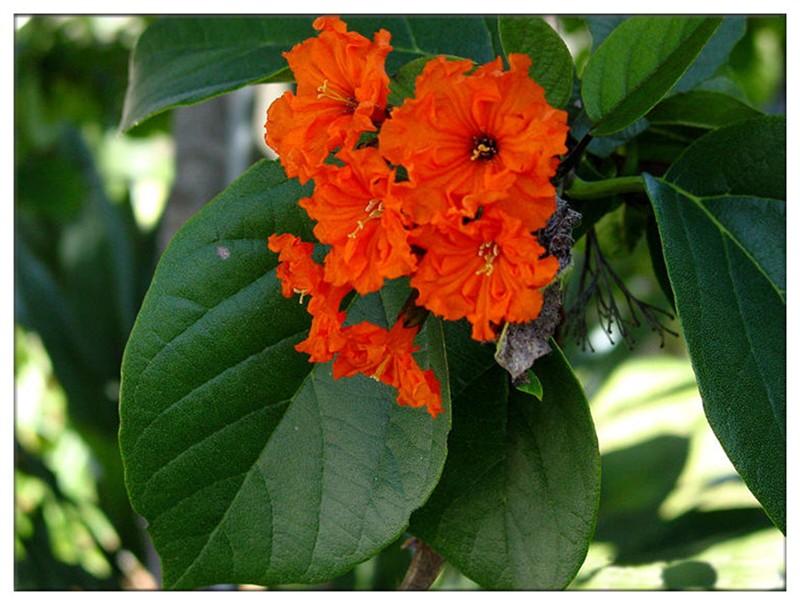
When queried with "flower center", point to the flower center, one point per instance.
{"points": [[373, 209], [488, 251], [484, 147], [325, 91]]}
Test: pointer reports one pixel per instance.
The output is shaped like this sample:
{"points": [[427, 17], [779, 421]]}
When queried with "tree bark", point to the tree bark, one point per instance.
{"points": [[200, 162]]}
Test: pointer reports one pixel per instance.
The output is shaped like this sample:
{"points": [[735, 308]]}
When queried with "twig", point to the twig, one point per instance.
{"points": [[573, 157], [424, 567], [598, 280]]}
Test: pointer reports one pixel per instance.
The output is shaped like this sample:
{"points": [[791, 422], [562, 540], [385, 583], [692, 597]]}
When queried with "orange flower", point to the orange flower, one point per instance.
{"points": [[297, 271], [471, 140], [341, 92], [325, 336], [365, 352], [479, 149], [300, 274], [387, 356], [417, 387], [357, 216], [489, 271]]}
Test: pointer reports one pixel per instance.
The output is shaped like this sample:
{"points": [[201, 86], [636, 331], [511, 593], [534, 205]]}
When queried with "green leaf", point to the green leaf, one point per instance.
{"points": [[552, 66], [724, 248], [637, 479], [492, 24], [414, 37], [717, 550], [600, 26], [533, 386], [656, 251], [701, 109], [111, 246], [517, 502], [748, 158], [250, 464], [403, 84], [714, 54], [633, 224], [637, 65], [185, 60]]}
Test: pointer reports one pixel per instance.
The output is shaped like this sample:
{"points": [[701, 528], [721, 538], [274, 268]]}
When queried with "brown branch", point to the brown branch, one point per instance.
{"points": [[424, 568]]}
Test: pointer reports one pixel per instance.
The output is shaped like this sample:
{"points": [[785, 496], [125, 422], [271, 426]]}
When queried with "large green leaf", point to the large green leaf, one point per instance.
{"points": [[517, 503], [184, 60], [701, 109], [637, 64], [552, 68], [250, 464], [721, 217]]}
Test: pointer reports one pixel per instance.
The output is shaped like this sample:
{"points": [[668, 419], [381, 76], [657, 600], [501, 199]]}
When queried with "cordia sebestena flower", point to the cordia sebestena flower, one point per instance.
{"points": [[478, 148]]}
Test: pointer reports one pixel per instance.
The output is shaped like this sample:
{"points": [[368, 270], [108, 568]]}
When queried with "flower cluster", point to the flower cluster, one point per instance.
{"points": [[447, 188]]}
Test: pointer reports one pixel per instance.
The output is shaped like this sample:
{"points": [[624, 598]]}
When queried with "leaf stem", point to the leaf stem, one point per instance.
{"points": [[424, 567], [590, 190]]}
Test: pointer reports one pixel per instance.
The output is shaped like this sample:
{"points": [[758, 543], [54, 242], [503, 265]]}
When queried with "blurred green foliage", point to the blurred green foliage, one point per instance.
{"points": [[673, 515], [83, 260]]}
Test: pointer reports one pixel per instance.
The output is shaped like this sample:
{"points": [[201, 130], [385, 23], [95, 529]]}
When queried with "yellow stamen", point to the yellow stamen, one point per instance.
{"points": [[302, 294], [373, 209], [488, 251], [325, 91], [480, 150]]}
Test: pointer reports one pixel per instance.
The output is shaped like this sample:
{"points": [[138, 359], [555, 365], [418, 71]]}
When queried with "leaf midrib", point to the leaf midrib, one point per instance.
{"points": [[751, 348]]}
